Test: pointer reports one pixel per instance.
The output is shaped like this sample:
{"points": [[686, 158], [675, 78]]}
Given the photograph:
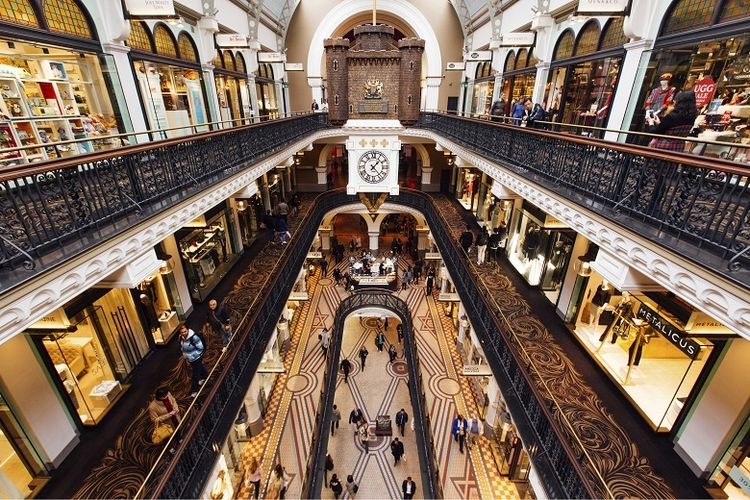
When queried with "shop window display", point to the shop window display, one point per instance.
{"points": [[732, 474], [207, 253], [160, 303], [467, 187], [21, 469], [643, 348], [50, 97]]}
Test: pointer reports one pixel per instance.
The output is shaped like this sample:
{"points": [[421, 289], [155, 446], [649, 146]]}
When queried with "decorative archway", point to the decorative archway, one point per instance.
{"points": [[399, 8]]}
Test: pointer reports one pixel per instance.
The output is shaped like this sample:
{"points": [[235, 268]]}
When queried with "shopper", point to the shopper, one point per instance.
{"points": [[335, 485], [397, 450], [364, 436], [335, 419], [459, 431], [253, 476], [337, 275], [279, 482], [379, 341], [356, 417], [466, 239], [428, 284], [408, 487], [323, 267], [482, 241], [391, 353], [498, 108], [192, 349], [325, 341], [363, 353], [401, 418], [351, 486], [474, 430], [329, 467], [219, 318], [164, 413], [346, 366], [400, 332], [677, 122]]}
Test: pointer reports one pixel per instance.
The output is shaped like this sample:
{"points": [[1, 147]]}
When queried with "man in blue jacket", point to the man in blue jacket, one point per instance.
{"points": [[192, 348]]}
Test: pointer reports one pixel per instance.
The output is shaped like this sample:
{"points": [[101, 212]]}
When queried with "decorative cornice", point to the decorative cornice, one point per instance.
{"points": [[28, 303], [707, 292]]}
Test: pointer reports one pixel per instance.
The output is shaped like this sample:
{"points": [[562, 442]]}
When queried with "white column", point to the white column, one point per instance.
{"points": [[183, 289], [236, 224], [132, 104], [432, 91], [628, 86], [423, 238], [374, 235], [302, 280], [325, 238], [426, 176], [495, 398], [542, 73], [254, 417], [316, 86], [321, 171]]}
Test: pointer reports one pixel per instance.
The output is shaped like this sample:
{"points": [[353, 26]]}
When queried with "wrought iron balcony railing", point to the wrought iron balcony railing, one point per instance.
{"points": [[559, 456], [53, 210], [697, 207]]}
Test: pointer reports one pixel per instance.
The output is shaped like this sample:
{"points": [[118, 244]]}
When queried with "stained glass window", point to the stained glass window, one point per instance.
{"points": [[218, 60], [733, 9], [18, 12], [484, 70], [240, 63], [521, 58], [532, 59], [139, 38], [613, 35], [564, 48], [164, 42], [588, 39], [187, 50], [510, 61], [65, 16], [688, 14], [229, 61]]}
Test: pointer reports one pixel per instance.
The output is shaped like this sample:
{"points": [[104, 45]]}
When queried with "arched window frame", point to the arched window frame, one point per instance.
{"points": [[510, 62], [521, 58], [229, 63], [84, 14], [240, 62], [614, 23], [26, 21], [564, 36], [184, 35], [149, 37], [173, 40], [592, 27], [701, 21]]}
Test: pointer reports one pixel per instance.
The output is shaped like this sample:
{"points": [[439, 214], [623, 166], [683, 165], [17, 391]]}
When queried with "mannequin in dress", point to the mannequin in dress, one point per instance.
{"points": [[599, 301]]}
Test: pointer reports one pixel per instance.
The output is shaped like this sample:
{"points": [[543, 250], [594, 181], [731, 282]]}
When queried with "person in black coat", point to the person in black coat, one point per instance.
{"points": [[466, 239], [408, 487], [397, 450], [401, 418], [335, 485], [346, 366]]}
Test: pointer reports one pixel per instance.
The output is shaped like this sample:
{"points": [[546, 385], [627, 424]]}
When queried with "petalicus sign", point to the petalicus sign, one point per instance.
{"points": [[150, 8], [704, 91]]}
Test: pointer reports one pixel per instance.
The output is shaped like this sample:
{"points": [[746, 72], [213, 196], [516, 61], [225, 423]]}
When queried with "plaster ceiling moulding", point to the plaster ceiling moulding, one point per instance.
{"points": [[621, 275]]}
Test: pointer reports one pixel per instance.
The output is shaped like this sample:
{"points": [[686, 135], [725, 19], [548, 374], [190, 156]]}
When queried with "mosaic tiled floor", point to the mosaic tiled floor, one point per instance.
{"points": [[288, 422]]}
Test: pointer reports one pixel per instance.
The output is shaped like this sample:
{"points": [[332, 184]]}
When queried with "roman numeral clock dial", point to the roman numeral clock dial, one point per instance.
{"points": [[373, 167]]}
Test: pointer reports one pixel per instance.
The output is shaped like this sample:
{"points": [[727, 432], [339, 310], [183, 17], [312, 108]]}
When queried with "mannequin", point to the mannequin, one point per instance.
{"points": [[148, 308], [531, 241], [599, 301], [623, 317], [661, 97], [642, 338]]}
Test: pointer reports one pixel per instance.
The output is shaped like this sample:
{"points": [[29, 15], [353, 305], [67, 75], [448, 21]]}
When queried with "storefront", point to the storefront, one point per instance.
{"points": [[159, 302], [651, 344], [265, 87], [584, 72], [90, 346], [22, 471], [539, 247], [169, 78], [250, 213], [519, 77], [468, 186], [732, 475], [209, 248], [230, 75], [55, 87], [714, 62], [484, 86]]}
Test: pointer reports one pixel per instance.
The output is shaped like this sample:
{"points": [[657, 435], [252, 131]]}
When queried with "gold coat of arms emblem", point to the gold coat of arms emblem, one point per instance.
{"points": [[374, 89]]}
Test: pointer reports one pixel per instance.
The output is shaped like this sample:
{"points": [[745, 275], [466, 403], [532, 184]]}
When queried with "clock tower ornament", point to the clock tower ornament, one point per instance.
{"points": [[373, 164]]}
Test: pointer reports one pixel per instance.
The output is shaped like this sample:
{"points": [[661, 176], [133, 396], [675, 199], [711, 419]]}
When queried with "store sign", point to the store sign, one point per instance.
{"points": [[517, 40], [601, 7], [231, 40], [704, 91], [703, 324], [449, 297], [56, 320], [271, 367], [477, 371], [270, 57], [314, 255], [689, 347], [293, 67], [150, 8], [455, 66], [740, 478], [432, 256], [479, 55]]}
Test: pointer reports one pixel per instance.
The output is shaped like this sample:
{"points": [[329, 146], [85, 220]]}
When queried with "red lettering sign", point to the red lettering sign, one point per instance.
{"points": [[704, 91]]}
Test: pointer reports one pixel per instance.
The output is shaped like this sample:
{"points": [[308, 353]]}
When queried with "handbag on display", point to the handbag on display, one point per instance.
{"points": [[586, 313], [161, 432], [606, 317]]}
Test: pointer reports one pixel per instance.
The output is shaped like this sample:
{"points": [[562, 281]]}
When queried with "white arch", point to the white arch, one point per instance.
{"points": [[386, 208], [423, 154], [399, 8]]}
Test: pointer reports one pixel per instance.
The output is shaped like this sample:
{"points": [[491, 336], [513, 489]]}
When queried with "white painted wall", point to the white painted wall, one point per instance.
{"points": [[40, 407], [721, 409]]}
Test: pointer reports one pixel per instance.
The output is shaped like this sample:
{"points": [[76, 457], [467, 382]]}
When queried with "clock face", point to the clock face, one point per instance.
{"points": [[373, 167]]}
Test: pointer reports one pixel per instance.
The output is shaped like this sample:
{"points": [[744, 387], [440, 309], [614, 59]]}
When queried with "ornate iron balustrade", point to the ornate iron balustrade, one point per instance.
{"points": [[313, 481], [558, 456], [696, 207], [53, 210]]}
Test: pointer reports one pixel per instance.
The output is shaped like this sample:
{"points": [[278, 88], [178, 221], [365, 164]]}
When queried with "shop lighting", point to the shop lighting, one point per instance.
{"points": [[241, 205], [584, 269]]}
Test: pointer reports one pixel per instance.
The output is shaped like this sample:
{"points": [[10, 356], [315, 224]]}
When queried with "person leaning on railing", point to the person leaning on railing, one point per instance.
{"points": [[678, 123]]}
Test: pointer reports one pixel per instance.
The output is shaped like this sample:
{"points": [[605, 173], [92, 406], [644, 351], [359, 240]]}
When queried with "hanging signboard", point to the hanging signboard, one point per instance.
{"points": [[293, 67], [479, 55], [677, 337], [517, 40], [231, 40], [704, 91], [455, 66], [150, 8], [603, 7], [270, 57]]}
